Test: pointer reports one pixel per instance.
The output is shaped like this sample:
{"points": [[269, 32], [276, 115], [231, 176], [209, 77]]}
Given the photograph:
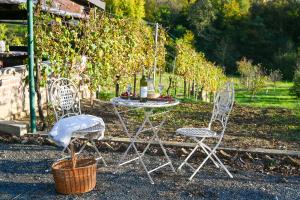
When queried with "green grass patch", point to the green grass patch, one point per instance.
{"points": [[269, 97]]}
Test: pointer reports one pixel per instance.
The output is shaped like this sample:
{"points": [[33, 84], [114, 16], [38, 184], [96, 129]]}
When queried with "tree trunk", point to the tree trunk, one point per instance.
{"points": [[117, 86], [39, 95], [175, 88], [98, 91], [170, 85], [195, 93], [134, 85], [247, 83], [200, 94], [211, 97], [189, 89], [193, 89], [184, 88]]}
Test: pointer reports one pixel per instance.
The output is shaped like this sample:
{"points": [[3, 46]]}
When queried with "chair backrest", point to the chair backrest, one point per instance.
{"points": [[223, 103], [64, 98]]}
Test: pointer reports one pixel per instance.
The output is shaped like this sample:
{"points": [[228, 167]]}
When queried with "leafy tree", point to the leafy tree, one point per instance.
{"points": [[3, 31], [171, 14], [228, 30], [129, 8], [13, 34], [202, 15]]}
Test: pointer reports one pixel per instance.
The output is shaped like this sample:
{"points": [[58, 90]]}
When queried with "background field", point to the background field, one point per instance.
{"points": [[267, 97]]}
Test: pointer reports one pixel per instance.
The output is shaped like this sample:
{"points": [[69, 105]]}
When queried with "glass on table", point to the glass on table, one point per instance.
{"points": [[160, 88]]}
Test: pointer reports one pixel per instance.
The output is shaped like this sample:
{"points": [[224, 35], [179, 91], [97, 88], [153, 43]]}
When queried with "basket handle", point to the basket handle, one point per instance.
{"points": [[73, 156]]}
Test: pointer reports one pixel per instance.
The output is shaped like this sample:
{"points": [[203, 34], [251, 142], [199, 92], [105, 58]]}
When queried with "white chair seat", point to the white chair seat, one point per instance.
{"points": [[94, 132], [197, 132]]}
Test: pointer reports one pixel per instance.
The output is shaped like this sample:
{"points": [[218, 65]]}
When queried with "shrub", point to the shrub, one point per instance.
{"points": [[245, 69], [253, 76], [275, 76], [295, 90]]}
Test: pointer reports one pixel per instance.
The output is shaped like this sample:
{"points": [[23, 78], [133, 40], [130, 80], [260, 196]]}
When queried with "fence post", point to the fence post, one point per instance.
{"points": [[31, 65]]}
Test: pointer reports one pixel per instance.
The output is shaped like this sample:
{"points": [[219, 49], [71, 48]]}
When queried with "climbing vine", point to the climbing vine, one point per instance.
{"points": [[105, 51], [194, 67], [114, 49]]}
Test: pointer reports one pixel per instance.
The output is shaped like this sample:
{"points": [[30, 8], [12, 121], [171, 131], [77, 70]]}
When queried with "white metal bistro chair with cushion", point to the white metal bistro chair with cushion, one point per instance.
{"points": [[223, 103], [65, 101]]}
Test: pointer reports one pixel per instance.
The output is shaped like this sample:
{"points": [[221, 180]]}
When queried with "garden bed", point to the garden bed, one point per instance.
{"points": [[248, 127]]}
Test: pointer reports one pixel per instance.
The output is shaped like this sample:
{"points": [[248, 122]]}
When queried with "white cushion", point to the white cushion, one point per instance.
{"points": [[65, 128]]}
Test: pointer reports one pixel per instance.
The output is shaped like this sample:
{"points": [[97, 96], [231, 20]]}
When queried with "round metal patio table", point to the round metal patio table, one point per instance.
{"points": [[148, 107]]}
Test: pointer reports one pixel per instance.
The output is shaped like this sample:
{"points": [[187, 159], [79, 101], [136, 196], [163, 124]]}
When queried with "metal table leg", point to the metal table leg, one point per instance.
{"points": [[133, 138]]}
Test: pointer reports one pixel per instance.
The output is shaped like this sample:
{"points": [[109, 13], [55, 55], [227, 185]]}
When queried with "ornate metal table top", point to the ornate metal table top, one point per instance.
{"points": [[149, 104]]}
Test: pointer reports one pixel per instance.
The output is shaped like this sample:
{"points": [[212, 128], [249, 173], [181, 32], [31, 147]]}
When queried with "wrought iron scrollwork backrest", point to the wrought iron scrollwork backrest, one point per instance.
{"points": [[223, 103], [64, 98]]}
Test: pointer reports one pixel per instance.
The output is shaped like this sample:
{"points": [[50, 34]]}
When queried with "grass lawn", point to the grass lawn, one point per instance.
{"points": [[269, 97]]}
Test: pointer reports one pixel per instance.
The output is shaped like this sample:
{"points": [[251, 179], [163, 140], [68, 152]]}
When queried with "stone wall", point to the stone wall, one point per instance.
{"points": [[14, 95]]}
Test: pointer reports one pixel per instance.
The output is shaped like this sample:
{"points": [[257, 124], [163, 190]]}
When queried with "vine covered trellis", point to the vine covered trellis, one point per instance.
{"points": [[114, 49], [195, 68]]}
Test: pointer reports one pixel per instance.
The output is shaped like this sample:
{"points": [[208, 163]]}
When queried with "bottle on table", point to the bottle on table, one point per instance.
{"points": [[143, 88]]}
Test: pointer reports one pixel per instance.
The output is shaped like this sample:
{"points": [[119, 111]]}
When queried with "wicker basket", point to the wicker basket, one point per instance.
{"points": [[74, 176]]}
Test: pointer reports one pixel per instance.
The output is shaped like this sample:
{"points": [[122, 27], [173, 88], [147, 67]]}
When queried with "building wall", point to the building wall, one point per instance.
{"points": [[68, 6], [14, 93], [14, 97]]}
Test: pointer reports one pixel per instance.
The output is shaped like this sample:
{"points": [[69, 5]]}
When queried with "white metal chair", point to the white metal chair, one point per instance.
{"points": [[65, 101], [223, 103]]}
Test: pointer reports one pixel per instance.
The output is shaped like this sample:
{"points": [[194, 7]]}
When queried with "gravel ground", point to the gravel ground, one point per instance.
{"points": [[24, 174]]}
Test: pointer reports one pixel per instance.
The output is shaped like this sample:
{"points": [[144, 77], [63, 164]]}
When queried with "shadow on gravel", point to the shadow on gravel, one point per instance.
{"points": [[19, 147], [25, 167], [247, 194], [270, 179], [12, 190]]}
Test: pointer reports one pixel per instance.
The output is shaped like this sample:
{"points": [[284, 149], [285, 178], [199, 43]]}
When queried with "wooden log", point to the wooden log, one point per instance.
{"points": [[192, 145], [229, 149]]}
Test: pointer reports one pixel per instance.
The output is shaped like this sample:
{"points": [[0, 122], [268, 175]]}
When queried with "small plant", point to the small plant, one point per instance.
{"points": [[245, 69], [275, 76], [257, 80], [295, 89]]}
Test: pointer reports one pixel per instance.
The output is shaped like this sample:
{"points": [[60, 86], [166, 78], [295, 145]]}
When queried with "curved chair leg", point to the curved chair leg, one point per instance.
{"points": [[219, 161], [97, 151], [188, 157], [212, 153], [211, 158], [205, 148], [203, 162], [81, 149], [223, 166]]}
